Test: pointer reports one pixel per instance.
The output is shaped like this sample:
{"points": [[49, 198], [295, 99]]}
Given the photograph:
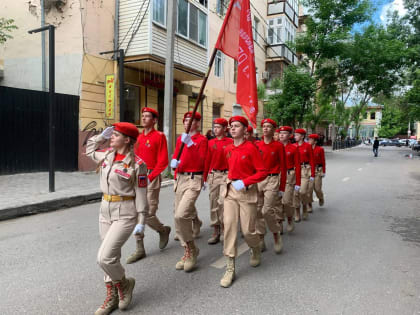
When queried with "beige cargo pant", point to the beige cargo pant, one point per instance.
{"points": [[268, 202], [304, 193], [153, 191], [187, 189], [217, 192], [239, 206], [116, 223], [317, 184], [290, 198]]}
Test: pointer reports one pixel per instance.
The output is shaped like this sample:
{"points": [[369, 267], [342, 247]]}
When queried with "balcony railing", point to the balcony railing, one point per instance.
{"points": [[282, 51]]}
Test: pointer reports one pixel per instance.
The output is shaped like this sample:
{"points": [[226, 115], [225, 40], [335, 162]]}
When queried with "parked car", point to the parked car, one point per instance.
{"points": [[412, 142], [416, 146], [403, 142], [394, 143], [383, 142]]}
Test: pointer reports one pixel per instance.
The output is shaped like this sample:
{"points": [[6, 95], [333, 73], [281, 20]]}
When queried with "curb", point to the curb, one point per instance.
{"points": [[56, 204]]}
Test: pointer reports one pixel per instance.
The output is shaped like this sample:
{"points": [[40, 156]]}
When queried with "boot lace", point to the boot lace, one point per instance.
{"points": [[108, 296], [120, 290]]}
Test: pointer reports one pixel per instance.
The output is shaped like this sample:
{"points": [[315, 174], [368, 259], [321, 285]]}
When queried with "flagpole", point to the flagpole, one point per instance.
{"points": [[199, 97]]}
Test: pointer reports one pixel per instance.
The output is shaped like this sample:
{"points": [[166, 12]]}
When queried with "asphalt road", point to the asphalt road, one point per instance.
{"points": [[359, 254]]}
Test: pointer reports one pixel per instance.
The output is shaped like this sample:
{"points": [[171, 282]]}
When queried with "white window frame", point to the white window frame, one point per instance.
{"points": [[277, 26], [164, 13], [200, 9], [218, 71]]}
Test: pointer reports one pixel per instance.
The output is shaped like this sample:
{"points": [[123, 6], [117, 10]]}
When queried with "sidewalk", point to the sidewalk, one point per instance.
{"points": [[24, 194]]}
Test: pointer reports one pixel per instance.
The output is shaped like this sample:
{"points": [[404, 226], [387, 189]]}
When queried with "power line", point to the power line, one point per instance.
{"points": [[132, 24], [138, 26]]}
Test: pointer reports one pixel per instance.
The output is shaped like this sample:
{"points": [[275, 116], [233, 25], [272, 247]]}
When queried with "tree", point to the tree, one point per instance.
{"points": [[393, 122], [293, 101], [356, 116], [320, 115], [6, 27]]}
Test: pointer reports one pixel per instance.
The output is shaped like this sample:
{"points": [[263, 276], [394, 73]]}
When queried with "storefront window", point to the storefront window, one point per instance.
{"points": [[132, 104]]}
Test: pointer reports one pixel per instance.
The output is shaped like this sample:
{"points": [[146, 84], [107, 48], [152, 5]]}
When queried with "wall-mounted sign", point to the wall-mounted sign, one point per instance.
{"points": [[109, 96]]}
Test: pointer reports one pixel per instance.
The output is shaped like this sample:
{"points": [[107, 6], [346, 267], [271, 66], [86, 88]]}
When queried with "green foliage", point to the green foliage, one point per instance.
{"points": [[412, 98], [356, 116], [320, 115], [293, 101], [6, 27], [393, 122]]}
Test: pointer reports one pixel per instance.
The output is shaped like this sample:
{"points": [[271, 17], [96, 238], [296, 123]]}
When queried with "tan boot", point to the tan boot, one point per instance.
{"points": [[191, 254], [215, 238], [164, 237], [281, 227], [197, 223], [111, 300], [125, 289], [290, 225], [255, 259], [310, 208], [180, 264], [140, 253], [262, 244], [305, 212], [321, 202], [278, 243], [297, 214], [229, 275]]}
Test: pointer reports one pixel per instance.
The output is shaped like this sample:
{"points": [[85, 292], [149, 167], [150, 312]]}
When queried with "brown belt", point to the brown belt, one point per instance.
{"points": [[220, 171], [114, 198]]}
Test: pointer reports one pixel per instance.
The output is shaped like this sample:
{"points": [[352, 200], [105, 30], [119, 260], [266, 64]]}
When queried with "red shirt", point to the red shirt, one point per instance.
{"points": [[293, 160], [119, 157], [193, 158], [306, 155], [274, 159], [153, 150], [216, 159], [245, 163], [319, 157]]}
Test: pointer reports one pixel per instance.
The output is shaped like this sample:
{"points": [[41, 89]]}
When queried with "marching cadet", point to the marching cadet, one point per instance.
{"points": [[271, 189], [151, 147], [319, 161], [290, 198], [246, 169], [276, 135], [307, 172], [249, 134], [188, 183], [215, 174], [123, 181]]}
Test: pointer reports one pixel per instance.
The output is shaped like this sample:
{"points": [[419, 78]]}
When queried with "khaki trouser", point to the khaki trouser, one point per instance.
{"points": [[187, 189], [116, 223], [153, 191], [217, 192], [304, 193], [268, 202], [317, 184], [239, 206], [290, 198]]}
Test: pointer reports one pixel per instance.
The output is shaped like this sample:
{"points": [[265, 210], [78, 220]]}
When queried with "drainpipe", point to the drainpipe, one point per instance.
{"points": [[43, 68], [116, 22]]}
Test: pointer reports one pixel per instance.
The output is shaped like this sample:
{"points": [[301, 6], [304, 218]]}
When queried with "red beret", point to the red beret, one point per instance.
{"points": [[301, 131], [220, 121], [285, 128], [314, 136], [127, 129], [269, 121], [250, 129], [150, 110], [241, 119], [197, 115]]}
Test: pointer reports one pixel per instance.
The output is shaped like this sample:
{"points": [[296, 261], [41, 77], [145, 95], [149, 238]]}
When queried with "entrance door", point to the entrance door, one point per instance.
{"points": [[161, 98]]}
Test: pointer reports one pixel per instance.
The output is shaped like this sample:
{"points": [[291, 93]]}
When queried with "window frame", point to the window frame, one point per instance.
{"points": [[199, 11], [218, 72], [276, 29], [165, 12]]}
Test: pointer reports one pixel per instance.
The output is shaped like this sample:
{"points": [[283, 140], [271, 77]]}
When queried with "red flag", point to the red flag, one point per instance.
{"points": [[235, 40]]}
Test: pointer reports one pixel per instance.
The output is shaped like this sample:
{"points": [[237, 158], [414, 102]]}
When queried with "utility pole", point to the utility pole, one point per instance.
{"points": [[171, 19]]}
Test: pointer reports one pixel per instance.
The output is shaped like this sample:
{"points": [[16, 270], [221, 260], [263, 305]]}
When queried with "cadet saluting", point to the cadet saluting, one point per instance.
{"points": [[123, 181], [246, 169]]}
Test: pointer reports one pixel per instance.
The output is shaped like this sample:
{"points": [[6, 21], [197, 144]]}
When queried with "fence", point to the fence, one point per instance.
{"points": [[24, 130], [344, 144]]}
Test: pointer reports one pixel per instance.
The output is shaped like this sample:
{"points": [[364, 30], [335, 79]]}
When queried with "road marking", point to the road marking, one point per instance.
{"points": [[221, 262], [345, 179], [360, 169]]}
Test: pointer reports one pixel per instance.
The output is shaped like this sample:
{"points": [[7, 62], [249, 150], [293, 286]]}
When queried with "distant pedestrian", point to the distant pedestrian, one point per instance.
{"points": [[124, 207], [375, 146]]}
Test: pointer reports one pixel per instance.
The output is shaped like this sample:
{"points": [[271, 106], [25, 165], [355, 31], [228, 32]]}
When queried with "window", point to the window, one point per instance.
{"points": [[372, 116], [203, 3], [274, 31], [182, 21], [218, 64], [255, 26], [159, 10], [235, 71], [221, 7], [192, 22]]}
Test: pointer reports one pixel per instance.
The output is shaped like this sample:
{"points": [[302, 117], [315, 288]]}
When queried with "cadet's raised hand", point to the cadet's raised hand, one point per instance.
{"points": [[107, 133]]}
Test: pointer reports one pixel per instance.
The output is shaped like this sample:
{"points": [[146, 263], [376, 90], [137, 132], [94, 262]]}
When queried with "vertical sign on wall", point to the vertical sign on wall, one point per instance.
{"points": [[109, 96]]}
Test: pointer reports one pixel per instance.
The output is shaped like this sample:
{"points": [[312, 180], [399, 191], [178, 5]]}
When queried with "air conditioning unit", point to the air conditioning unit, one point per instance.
{"points": [[266, 75]]}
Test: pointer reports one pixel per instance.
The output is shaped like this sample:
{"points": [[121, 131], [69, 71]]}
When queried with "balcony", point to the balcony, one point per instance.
{"points": [[289, 8], [281, 52]]}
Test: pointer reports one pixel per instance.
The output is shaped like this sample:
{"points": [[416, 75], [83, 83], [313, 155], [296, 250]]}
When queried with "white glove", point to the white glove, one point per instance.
{"points": [[238, 185], [175, 163], [204, 186], [311, 179], [186, 138], [281, 193], [297, 188], [139, 229], [107, 133]]}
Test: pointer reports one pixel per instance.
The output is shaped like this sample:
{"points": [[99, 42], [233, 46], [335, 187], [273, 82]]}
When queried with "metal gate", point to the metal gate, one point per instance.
{"points": [[24, 131]]}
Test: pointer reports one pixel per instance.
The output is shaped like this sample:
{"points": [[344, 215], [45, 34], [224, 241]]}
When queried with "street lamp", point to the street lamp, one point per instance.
{"points": [[51, 104], [120, 77]]}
